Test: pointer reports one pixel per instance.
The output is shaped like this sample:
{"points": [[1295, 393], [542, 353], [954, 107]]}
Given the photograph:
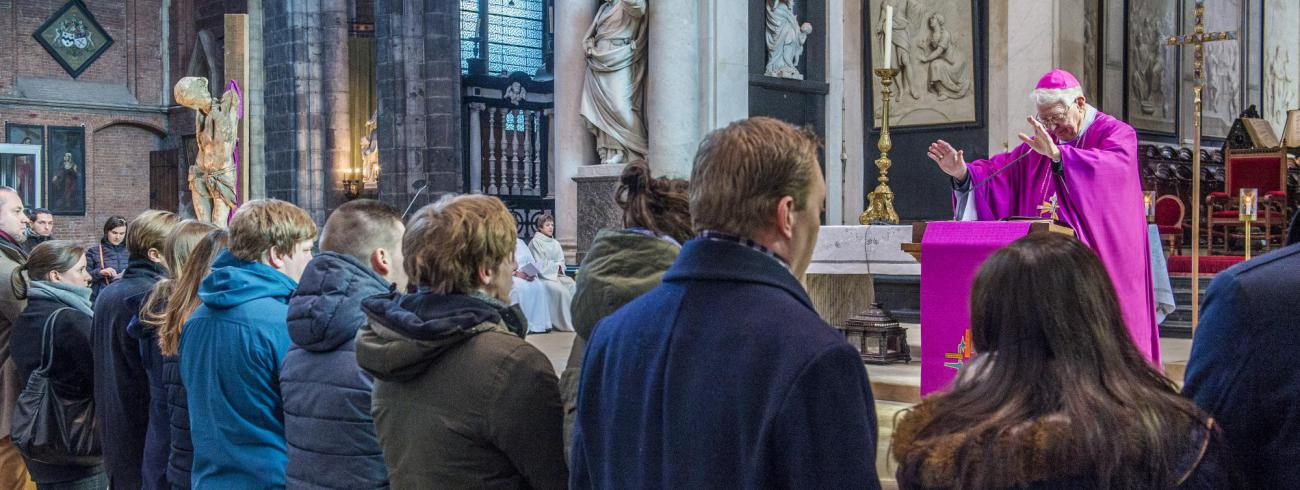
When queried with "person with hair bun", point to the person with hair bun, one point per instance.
{"points": [[623, 264], [55, 283]]}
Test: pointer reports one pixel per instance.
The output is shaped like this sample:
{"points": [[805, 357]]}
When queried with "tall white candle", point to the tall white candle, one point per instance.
{"points": [[888, 48]]}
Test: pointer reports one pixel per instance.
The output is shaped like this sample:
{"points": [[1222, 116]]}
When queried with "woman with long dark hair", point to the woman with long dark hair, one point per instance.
{"points": [[54, 281], [1058, 395], [624, 264], [107, 260]]}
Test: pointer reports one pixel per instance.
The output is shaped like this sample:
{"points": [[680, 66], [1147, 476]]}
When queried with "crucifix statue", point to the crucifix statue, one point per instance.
{"points": [[1049, 206], [1197, 41], [216, 128]]}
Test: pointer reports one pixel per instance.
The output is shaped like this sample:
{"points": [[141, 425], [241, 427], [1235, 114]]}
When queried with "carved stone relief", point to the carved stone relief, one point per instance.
{"points": [[1282, 66], [1152, 66], [932, 43]]}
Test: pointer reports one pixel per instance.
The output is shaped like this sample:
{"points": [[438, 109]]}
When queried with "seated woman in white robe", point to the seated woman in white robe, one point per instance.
{"points": [[529, 292], [550, 262]]}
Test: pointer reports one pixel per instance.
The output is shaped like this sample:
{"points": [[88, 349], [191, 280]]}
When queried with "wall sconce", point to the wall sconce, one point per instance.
{"points": [[352, 183]]}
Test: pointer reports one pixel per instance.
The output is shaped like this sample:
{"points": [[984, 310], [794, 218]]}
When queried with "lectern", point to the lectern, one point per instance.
{"points": [[950, 253]]}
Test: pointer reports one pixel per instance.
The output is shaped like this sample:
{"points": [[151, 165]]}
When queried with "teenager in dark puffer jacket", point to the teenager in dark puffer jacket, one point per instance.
{"points": [[460, 399], [328, 429], [108, 260]]}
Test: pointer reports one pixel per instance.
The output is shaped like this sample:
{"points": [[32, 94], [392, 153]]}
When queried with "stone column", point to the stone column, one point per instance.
{"points": [[1022, 47], [673, 102], [334, 91], [573, 145], [418, 69]]}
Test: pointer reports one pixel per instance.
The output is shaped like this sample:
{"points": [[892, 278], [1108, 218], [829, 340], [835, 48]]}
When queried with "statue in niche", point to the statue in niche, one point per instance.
{"points": [[909, 77], [947, 68], [216, 123], [785, 40], [614, 90], [370, 152]]}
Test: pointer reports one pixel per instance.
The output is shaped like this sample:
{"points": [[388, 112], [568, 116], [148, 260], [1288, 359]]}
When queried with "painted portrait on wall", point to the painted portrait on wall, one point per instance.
{"points": [[65, 180], [21, 173]]}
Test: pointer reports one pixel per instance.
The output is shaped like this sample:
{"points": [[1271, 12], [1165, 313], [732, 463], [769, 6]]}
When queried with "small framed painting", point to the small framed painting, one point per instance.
{"points": [[65, 180]]}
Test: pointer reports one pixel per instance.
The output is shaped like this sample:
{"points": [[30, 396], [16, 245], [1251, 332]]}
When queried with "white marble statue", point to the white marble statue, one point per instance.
{"points": [[614, 89], [785, 40]]}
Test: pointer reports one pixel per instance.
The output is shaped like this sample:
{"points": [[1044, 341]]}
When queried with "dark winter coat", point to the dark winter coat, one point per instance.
{"points": [[723, 376], [11, 257], [328, 429], [180, 457], [121, 383], [33, 240], [1203, 462], [72, 366], [113, 256], [1243, 370], [231, 351], [157, 441], [620, 266], [459, 400]]}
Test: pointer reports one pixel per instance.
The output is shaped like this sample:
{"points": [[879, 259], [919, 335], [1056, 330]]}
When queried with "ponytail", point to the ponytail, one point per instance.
{"points": [[18, 281]]}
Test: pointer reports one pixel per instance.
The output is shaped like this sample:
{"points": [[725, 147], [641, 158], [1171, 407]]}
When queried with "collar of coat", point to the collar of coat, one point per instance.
{"points": [[1046, 447], [715, 260], [11, 248]]}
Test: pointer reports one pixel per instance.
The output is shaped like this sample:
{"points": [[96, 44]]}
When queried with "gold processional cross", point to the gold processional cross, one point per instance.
{"points": [[1197, 41], [1048, 206]]}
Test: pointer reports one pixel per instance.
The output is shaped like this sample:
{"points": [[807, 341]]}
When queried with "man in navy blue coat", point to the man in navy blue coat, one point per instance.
{"points": [[1243, 368], [724, 376]]}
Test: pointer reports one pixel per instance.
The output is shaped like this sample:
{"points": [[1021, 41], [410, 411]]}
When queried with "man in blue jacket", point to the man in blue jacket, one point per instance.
{"points": [[234, 343], [1243, 369], [330, 434], [724, 376]]}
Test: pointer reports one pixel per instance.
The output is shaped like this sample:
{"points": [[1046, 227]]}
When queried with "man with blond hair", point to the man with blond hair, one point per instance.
{"points": [[233, 344], [724, 376], [121, 383], [460, 399]]}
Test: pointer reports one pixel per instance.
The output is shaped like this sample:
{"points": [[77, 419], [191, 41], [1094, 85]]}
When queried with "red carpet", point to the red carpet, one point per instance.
{"points": [[1210, 264]]}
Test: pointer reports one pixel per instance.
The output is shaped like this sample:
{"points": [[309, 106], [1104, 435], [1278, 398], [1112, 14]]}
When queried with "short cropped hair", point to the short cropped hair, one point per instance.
{"points": [[39, 211], [264, 224], [114, 222], [146, 231], [359, 227], [542, 219], [1044, 97], [743, 170], [448, 241]]}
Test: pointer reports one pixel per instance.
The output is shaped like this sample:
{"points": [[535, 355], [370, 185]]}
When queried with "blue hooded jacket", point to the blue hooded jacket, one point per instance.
{"points": [[330, 434], [231, 351]]}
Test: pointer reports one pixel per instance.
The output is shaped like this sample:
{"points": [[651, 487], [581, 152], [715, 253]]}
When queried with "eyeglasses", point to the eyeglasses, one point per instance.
{"points": [[1052, 120]]}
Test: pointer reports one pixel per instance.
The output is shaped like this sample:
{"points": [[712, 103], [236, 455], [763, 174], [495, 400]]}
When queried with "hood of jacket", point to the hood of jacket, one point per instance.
{"points": [[325, 310], [620, 266], [67, 295], [407, 333], [234, 282]]}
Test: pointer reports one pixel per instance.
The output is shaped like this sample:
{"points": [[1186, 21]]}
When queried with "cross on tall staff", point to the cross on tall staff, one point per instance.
{"points": [[1197, 41]]}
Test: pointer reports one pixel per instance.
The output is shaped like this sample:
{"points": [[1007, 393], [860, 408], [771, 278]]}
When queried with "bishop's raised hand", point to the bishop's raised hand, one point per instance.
{"points": [[951, 160]]}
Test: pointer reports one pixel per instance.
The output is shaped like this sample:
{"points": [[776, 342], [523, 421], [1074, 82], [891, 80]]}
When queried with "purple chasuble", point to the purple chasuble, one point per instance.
{"points": [[1099, 194]]}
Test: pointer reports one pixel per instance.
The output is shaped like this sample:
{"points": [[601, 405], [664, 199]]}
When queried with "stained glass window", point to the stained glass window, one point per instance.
{"points": [[515, 33]]}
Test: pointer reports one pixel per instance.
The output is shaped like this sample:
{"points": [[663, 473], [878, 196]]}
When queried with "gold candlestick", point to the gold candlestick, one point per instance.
{"points": [[880, 202]]}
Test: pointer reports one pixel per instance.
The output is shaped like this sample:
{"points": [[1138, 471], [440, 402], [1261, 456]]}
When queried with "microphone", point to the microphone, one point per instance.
{"points": [[956, 213], [422, 184]]}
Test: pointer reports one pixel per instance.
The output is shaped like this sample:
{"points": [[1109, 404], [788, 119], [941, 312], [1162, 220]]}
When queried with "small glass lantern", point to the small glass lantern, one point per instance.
{"points": [[1149, 204], [877, 336], [1248, 201]]}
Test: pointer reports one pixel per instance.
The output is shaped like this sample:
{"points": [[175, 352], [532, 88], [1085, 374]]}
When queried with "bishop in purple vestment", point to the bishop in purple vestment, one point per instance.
{"points": [[1080, 167]]}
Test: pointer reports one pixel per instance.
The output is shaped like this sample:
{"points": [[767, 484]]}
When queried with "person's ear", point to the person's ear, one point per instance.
{"points": [[785, 216], [154, 255], [485, 275], [380, 262], [275, 259], [54, 276]]}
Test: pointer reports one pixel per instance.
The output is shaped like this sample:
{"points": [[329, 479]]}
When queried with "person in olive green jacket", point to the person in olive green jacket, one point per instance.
{"points": [[460, 399], [623, 264]]}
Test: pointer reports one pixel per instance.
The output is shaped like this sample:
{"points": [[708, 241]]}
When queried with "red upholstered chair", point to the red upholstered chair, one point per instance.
{"points": [[1261, 169], [1169, 221]]}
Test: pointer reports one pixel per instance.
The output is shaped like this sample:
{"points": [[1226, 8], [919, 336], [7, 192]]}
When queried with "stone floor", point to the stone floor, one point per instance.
{"points": [[896, 386]]}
